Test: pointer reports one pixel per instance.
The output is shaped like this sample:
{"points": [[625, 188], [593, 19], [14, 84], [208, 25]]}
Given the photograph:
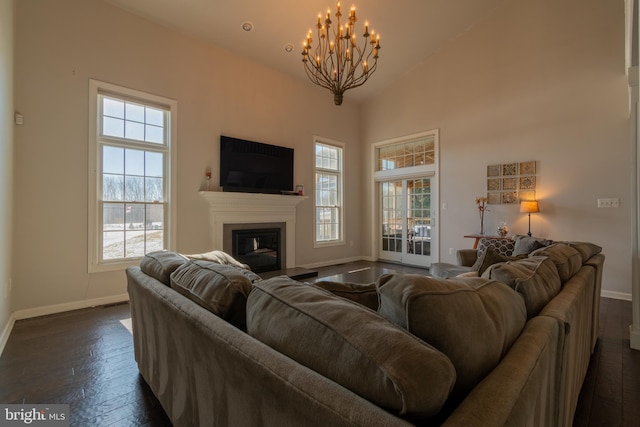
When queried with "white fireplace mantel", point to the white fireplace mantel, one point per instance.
{"points": [[247, 208]]}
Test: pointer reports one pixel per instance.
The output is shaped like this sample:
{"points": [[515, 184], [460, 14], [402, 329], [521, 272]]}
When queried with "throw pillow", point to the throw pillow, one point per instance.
{"points": [[526, 245], [490, 257], [161, 264], [502, 246], [221, 289], [366, 295], [219, 257], [472, 321], [351, 345]]}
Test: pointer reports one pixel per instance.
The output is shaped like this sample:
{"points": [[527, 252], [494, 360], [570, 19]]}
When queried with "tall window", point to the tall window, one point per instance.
{"points": [[130, 175], [328, 193]]}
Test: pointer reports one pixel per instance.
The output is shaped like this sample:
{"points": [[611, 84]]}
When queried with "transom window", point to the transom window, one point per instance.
{"points": [[400, 155], [328, 193], [131, 210]]}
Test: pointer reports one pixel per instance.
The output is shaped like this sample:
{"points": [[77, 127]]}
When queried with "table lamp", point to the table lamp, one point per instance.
{"points": [[529, 206]]}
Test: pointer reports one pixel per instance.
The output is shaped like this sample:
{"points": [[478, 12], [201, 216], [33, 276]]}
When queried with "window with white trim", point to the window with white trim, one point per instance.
{"points": [[328, 193], [131, 142]]}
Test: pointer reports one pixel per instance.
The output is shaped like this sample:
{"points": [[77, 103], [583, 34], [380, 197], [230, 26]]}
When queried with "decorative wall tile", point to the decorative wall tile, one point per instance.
{"points": [[527, 195], [527, 182], [509, 197], [527, 168], [494, 170], [509, 184], [510, 169]]}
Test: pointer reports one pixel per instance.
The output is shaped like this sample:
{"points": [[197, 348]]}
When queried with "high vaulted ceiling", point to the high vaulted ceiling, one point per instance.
{"points": [[410, 30]]}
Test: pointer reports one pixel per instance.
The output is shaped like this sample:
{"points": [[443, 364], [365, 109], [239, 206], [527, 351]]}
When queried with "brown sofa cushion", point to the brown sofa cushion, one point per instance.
{"points": [[351, 345], [161, 264], [566, 259], [365, 294], [473, 321], [221, 289], [535, 278]]}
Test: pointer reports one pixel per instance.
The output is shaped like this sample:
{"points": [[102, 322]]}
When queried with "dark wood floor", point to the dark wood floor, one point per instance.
{"points": [[84, 358]]}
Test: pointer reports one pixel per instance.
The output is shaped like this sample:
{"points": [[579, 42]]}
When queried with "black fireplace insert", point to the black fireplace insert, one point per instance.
{"points": [[260, 248]]}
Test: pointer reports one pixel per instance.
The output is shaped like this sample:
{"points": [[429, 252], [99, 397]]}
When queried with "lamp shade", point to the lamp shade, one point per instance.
{"points": [[529, 206]]}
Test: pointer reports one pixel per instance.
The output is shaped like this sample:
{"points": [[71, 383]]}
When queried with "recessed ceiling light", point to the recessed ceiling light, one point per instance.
{"points": [[247, 26], [288, 47]]}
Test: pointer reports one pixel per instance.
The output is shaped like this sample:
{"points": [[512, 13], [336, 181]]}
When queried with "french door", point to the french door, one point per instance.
{"points": [[407, 224]]}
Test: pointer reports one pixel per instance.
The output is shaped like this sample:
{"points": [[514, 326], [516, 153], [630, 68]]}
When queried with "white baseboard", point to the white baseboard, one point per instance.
{"points": [[76, 305], [6, 332], [616, 295]]}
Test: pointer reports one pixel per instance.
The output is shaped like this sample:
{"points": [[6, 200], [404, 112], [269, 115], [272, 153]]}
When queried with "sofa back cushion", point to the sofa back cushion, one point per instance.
{"points": [[351, 345], [473, 321], [566, 259], [535, 278], [365, 294], [585, 249], [221, 289], [161, 264]]}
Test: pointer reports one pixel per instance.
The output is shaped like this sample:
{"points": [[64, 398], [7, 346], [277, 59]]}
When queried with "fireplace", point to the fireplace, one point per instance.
{"points": [[260, 248], [254, 211]]}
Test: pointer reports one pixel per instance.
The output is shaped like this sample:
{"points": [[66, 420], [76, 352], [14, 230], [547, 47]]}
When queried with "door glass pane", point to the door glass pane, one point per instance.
{"points": [[392, 216], [419, 216]]}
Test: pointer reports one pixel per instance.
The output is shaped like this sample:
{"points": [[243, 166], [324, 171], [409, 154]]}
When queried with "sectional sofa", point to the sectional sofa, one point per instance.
{"points": [[219, 346]]}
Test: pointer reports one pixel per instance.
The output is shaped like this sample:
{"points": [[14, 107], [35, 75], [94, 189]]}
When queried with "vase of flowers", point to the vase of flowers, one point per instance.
{"points": [[482, 208]]}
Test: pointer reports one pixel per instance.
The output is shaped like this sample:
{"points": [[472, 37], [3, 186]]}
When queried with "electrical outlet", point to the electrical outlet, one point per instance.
{"points": [[451, 251], [609, 203]]}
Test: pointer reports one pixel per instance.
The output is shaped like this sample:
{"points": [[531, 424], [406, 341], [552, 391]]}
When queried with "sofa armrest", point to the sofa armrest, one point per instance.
{"points": [[467, 257]]}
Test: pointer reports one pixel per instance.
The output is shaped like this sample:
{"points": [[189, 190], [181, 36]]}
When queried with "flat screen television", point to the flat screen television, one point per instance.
{"points": [[254, 167]]}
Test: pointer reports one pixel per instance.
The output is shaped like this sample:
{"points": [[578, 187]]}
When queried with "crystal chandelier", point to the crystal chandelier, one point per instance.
{"points": [[337, 62]]}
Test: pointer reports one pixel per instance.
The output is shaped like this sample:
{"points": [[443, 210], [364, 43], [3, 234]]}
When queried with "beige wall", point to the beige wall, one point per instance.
{"points": [[6, 159], [538, 80], [61, 45]]}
